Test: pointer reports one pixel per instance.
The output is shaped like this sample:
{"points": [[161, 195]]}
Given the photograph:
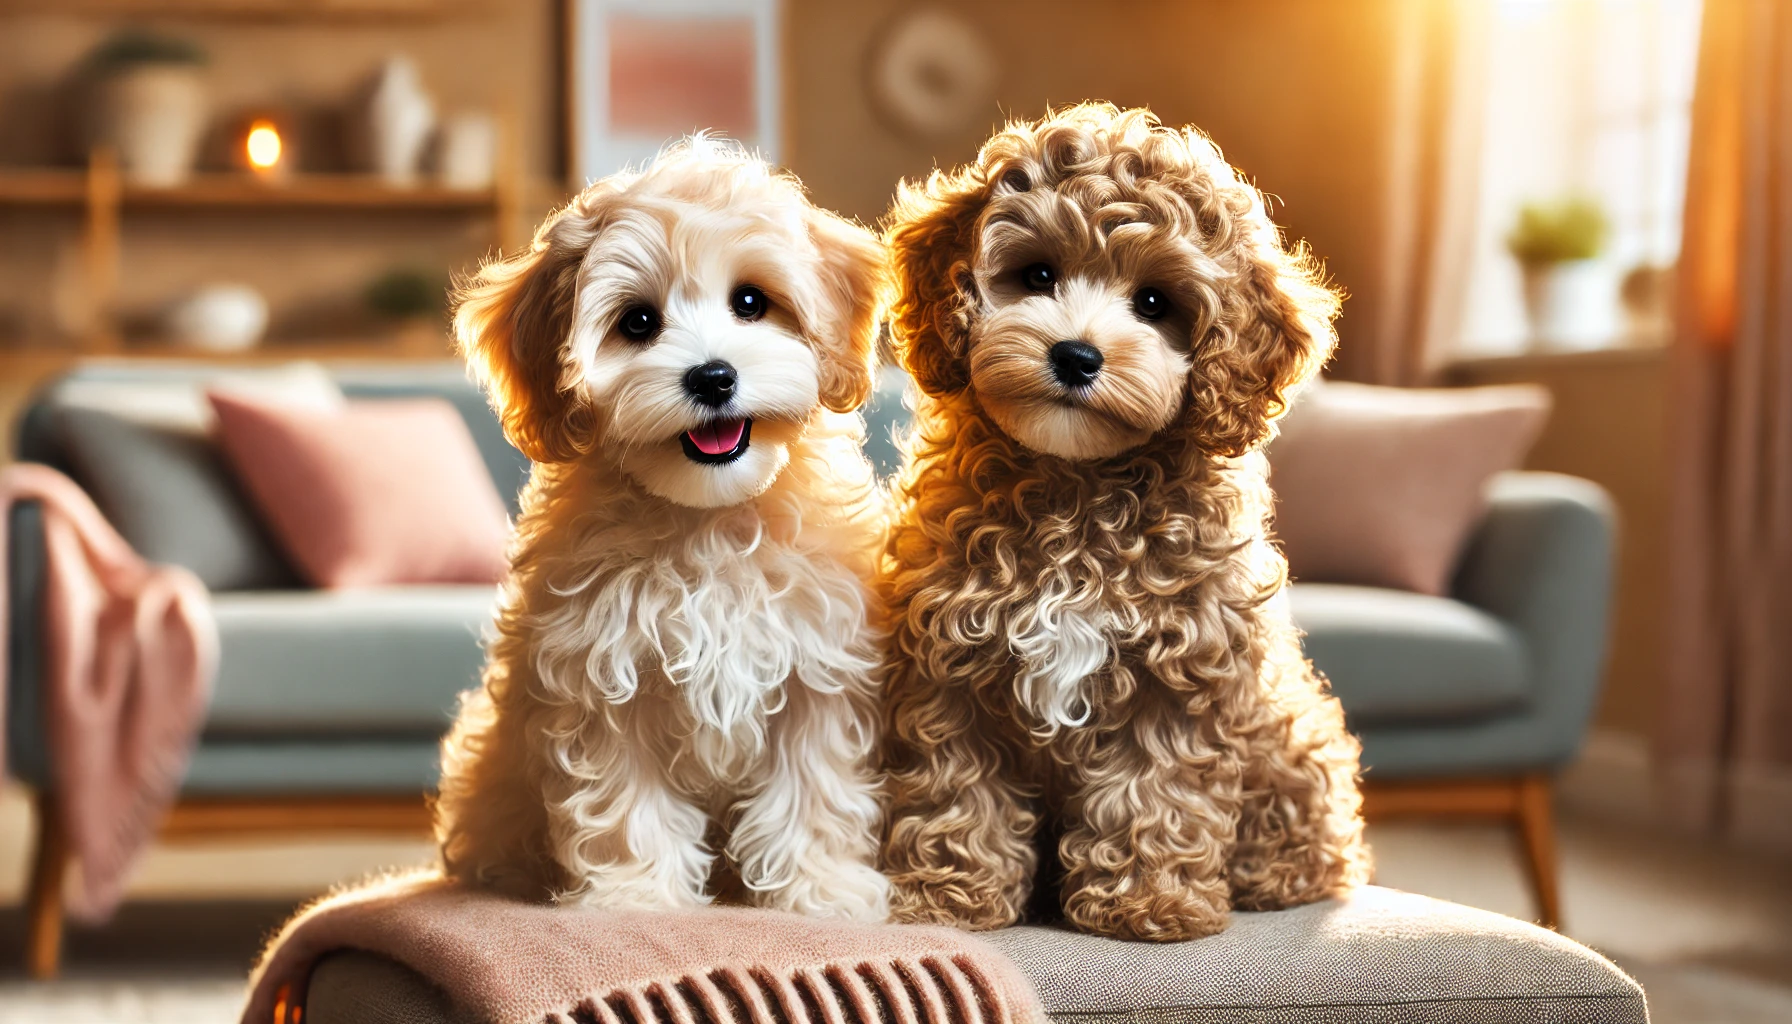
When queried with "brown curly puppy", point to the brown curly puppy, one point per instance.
{"points": [[1104, 325]]}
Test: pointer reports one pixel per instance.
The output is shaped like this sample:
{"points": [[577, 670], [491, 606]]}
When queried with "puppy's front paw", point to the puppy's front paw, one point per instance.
{"points": [[620, 890], [843, 890], [1123, 909], [962, 901]]}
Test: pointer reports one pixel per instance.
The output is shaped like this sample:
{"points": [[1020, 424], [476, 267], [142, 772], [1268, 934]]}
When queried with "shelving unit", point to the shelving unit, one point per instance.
{"points": [[104, 199]]}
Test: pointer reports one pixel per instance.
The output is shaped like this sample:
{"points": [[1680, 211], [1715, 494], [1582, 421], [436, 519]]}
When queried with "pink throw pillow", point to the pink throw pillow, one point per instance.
{"points": [[370, 493], [1383, 486]]}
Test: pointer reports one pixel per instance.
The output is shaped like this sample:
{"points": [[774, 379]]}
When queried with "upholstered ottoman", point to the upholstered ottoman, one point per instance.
{"points": [[1380, 956]]}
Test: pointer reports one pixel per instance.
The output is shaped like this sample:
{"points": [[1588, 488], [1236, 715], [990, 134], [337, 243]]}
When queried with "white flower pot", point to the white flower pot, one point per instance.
{"points": [[1572, 306], [153, 115]]}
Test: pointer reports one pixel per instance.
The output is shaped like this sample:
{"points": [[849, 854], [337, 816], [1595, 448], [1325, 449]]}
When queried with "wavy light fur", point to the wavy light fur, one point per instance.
{"points": [[1083, 595], [682, 651]]}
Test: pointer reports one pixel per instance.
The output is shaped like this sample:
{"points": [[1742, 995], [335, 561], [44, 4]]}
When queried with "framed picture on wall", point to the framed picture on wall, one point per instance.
{"points": [[643, 73]]}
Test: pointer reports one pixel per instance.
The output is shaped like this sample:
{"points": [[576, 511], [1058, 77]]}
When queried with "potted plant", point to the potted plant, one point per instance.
{"points": [[415, 300], [147, 96], [1570, 296]]}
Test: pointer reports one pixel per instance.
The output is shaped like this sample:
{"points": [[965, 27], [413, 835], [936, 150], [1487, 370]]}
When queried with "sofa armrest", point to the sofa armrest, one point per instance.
{"points": [[1542, 561], [27, 755]]}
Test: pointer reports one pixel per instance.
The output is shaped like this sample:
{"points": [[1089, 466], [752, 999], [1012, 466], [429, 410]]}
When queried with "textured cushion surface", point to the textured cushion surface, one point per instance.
{"points": [[377, 492], [168, 492], [1380, 955], [376, 661], [1396, 656], [1383, 486]]}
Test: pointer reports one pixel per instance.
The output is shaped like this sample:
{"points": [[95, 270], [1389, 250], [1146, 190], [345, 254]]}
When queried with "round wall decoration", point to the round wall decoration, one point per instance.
{"points": [[931, 73]]}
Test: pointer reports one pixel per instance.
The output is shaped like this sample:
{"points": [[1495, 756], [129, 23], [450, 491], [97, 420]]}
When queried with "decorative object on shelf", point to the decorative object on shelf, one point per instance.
{"points": [[643, 73], [931, 74], [415, 301], [395, 121], [1570, 294], [467, 152], [264, 149], [219, 318], [261, 142], [147, 102], [1647, 292]]}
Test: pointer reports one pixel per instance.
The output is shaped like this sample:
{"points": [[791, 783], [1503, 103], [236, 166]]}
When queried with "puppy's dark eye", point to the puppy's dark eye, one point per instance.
{"points": [[639, 323], [748, 302], [1150, 303], [1040, 277]]}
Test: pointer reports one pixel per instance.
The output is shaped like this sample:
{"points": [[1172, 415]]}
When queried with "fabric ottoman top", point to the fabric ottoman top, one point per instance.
{"points": [[1379, 956]]}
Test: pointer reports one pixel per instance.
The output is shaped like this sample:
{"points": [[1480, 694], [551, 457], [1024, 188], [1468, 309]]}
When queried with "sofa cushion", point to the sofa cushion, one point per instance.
{"points": [[314, 766], [373, 493], [169, 494], [1397, 656], [1383, 486], [509, 467], [379, 661], [1379, 956]]}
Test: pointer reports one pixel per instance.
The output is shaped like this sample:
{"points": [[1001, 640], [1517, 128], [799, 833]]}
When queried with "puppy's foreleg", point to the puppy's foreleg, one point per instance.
{"points": [[1300, 836], [805, 837], [624, 832], [1151, 824], [959, 843]]}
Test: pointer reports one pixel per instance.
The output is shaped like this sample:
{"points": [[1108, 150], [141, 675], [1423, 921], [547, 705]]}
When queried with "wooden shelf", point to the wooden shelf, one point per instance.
{"points": [[102, 198], [36, 188], [262, 10], [311, 191], [41, 360]]}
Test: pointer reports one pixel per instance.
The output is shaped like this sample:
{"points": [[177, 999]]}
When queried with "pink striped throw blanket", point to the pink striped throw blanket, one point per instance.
{"points": [[131, 648], [509, 962]]}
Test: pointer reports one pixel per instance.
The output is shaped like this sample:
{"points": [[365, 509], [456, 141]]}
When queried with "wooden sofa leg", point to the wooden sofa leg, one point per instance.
{"points": [[1537, 833], [49, 862]]}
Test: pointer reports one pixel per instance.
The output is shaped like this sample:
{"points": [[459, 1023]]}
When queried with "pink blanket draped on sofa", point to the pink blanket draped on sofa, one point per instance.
{"points": [[509, 962], [131, 648]]}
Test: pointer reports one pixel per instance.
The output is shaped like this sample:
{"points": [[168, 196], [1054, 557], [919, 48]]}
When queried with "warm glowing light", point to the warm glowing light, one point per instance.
{"points": [[263, 145]]}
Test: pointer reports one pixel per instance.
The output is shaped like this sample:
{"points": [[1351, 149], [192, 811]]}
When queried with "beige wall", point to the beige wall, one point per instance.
{"points": [[1294, 91]]}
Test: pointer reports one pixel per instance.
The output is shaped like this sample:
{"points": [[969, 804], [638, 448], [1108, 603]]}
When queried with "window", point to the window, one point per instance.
{"points": [[1590, 98]]}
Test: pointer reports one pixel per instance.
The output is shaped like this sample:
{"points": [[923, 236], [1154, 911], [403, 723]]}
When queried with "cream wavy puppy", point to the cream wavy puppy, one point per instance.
{"points": [[683, 653]]}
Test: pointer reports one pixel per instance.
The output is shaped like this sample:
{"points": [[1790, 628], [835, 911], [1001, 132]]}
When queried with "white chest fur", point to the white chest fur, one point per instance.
{"points": [[1059, 649], [725, 618]]}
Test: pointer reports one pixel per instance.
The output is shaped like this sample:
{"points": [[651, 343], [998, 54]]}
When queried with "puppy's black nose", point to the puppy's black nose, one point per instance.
{"points": [[1075, 363], [712, 383]]}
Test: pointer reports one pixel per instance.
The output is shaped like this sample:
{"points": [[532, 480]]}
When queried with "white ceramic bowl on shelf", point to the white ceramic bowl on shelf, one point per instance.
{"points": [[219, 318]]}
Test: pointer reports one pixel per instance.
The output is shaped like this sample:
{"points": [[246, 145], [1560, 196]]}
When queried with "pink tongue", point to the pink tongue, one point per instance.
{"points": [[718, 438]]}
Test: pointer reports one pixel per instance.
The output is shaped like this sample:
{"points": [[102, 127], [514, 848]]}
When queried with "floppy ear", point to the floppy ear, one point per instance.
{"points": [[1272, 332], [929, 231], [855, 285], [513, 324]]}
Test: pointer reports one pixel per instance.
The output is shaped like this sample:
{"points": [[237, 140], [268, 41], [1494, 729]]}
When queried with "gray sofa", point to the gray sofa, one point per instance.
{"points": [[1465, 702], [317, 692]]}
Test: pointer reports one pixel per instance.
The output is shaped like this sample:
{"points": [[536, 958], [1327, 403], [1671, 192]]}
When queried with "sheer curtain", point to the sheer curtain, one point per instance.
{"points": [[1725, 741]]}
